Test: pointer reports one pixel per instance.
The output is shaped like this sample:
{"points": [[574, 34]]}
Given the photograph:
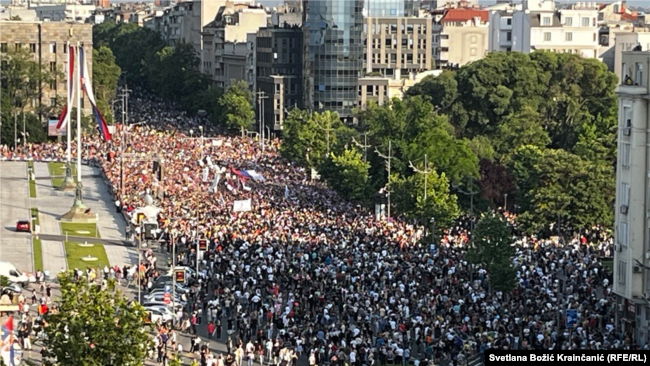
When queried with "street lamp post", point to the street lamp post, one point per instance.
{"points": [[201, 128], [505, 201]]}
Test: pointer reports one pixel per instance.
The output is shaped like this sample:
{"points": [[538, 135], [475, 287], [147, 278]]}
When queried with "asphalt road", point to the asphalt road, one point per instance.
{"points": [[15, 247]]}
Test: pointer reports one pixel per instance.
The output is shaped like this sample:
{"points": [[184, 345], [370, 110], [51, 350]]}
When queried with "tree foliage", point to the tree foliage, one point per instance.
{"points": [[106, 75], [348, 174], [172, 73], [491, 247], [237, 107], [95, 327], [538, 112]]}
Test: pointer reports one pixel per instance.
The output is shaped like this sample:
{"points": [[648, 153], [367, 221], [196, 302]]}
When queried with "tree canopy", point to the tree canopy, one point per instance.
{"points": [[95, 326]]}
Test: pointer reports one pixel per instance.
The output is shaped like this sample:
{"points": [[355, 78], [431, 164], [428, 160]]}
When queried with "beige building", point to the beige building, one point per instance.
{"points": [[383, 89], [628, 41], [399, 47], [463, 37], [46, 42], [226, 41]]}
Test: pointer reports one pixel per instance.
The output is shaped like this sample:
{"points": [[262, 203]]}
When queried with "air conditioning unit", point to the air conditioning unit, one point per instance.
{"points": [[627, 131], [637, 268], [624, 209], [618, 247]]}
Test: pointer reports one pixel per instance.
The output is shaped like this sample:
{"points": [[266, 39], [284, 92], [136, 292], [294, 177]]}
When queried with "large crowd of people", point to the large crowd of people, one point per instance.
{"points": [[307, 274]]}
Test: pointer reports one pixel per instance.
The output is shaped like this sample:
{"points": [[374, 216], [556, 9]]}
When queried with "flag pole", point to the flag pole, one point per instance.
{"points": [[78, 200], [68, 182]]}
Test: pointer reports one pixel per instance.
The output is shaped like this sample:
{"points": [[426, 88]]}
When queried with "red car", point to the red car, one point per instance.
{"points": [[24, 226]]}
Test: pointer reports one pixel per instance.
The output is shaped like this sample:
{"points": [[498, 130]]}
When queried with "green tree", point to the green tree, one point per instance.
{"points": [[23, 79], [408, 196], [95, 327], [106, 75], [491, 247], [347, 173], [309, 138], [237, 107], [519, 128], [4, 281]]}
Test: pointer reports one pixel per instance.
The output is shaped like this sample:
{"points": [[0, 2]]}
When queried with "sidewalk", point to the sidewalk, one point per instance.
{"points": [[51, 204]]}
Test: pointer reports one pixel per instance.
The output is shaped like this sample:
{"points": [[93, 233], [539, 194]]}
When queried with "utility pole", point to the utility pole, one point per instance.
{"points": [[426, 173], [15, 133], [24, 132], [364, 146], [260, 104], [388, 159]]}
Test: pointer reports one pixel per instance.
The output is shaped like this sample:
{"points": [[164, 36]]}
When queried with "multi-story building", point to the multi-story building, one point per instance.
{"points": [[381, 90], [64, 12], [462, 36], [632, 208], [399, 46], [229, 37], [279, 72], [391, 8], [288, 14], [334, 55], [46, 42], [617, 19], [627, 41], [532, 26]]}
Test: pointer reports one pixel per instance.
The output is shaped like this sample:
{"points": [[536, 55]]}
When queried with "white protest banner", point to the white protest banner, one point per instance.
{"points": [[242, 206]]}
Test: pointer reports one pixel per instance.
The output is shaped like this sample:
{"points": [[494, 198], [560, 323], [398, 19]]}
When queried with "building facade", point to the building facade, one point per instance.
{"points": [[463, 37], [398, 47], [381, 90], [64, 12], [534, 26], [46, 42], [632, 208], [335, 55], [279, 72], [391, 8]]}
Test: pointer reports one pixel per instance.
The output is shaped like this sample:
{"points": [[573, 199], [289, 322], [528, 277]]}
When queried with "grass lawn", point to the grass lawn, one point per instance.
{"points": [[57, 172], [36, 243], [74, 253], [32, 183], [81, 229]]}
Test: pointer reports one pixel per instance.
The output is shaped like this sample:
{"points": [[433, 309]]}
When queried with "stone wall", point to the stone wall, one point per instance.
{"points": [[46, 41]]}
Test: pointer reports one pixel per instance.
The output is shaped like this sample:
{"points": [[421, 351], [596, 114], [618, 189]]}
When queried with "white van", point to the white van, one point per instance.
{"points": [[8, 270]]}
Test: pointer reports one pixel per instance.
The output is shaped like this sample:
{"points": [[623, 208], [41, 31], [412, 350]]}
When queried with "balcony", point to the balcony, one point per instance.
{"points": [[633, 91]]}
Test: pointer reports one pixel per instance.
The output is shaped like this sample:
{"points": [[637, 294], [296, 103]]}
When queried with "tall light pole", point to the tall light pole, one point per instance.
{"points": [[15, 133], [426, 171], [364, 146], [505, 200], [388, 159], [471, 194], [202, 144]]}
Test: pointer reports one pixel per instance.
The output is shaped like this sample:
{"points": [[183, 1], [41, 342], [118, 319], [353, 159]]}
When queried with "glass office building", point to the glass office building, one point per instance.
{"points": [[392, 8], [335, 54]]}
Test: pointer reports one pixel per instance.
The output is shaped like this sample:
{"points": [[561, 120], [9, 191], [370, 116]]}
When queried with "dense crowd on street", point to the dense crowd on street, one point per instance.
{"points": [[305, 274]]}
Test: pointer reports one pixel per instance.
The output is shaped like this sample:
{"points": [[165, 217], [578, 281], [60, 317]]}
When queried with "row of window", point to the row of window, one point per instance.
{"points": [[392, 29], [407, 58], [4, 47], [568, 37]]}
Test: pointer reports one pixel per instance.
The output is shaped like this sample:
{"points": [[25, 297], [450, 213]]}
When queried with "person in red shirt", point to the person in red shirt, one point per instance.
{"points": [[211, 329]]}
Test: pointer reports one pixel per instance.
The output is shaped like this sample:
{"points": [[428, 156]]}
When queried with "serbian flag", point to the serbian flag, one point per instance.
{"points": [[241, 173], [8, 341], [64, 118], [88, 89]]}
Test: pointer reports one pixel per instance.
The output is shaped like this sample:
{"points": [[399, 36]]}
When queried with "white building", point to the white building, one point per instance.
{"points": [[64, 12], [627, 41], [534, 26], [632, 209]]}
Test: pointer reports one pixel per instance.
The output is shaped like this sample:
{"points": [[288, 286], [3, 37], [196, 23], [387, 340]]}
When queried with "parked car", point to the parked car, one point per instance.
{"points": [[23, 226], [159, 315], [169, 306], [179, 287]]}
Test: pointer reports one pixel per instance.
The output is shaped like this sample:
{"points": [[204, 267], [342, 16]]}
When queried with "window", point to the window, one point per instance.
{"points": [[621, 272], [638, 74], [622, 233], [585, 21], [546, 21], [53, 47], [568, 37], [18, 46], [625, 194], [627, 116], [52, 102], [82, 103], [568, 21], [52, 66], [32, 47], [547, 36], [52, 85], [508, 36], [625, 155], [509, 21]]}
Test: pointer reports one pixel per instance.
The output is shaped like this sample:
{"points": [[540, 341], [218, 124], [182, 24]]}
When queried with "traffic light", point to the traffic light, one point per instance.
{"points": [[150, 231], [180, 275], [203, 244]]}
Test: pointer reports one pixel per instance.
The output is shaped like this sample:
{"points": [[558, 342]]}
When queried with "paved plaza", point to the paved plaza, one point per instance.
{"points": [[15, 247]]}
